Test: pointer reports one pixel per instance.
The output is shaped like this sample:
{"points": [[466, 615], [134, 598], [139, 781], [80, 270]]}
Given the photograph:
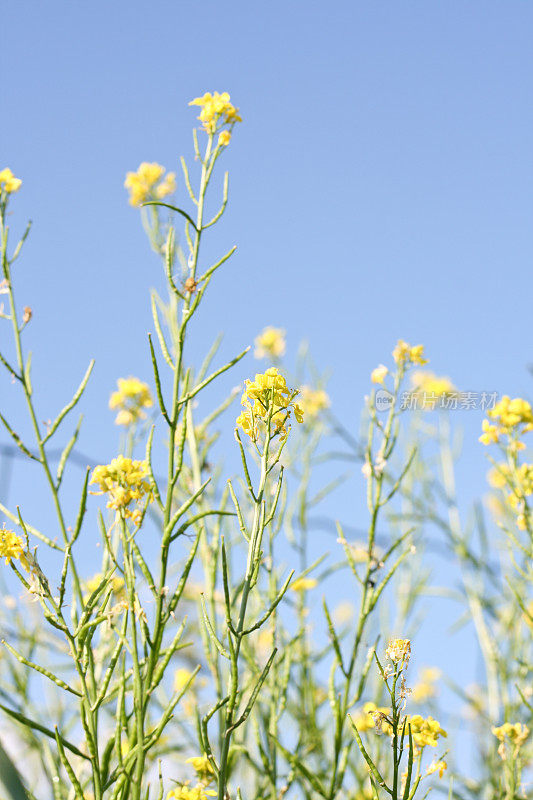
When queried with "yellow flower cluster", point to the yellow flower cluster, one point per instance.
{"points": [[117, 583], [431, 387], [148, 183], [12, 546], [270, 343], [425, 689], [425, 731], [405, 354], [399, 651], [313, 401], [437, 766], [124, 481], [514, 734], [372, 715], [186, 792], [303, 584], [131, 398], [511, 417], [216, 110], [203, 768], [8, 182], [268, 400], [181, 676], [518, 484]]}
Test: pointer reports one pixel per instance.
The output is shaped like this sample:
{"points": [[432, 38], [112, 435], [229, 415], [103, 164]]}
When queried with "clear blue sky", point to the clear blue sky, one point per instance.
{"points": [[380, 184]]}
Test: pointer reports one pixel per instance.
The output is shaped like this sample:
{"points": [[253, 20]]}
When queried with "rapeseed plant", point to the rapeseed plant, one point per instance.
{"points": [[186, 665]]}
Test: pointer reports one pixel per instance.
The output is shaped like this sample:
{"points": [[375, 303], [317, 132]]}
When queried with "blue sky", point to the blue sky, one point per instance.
{"points": [[380, 186]]}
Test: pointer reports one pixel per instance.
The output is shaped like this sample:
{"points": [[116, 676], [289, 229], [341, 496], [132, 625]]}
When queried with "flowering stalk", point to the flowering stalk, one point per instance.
{"points": [[109, 668], [375, 471], [268, 404], [418, 732]]}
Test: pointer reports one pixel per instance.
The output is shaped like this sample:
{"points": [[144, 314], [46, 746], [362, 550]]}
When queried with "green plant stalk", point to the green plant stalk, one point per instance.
{"points": [[88, 717], [233, 687], [366, 596]]}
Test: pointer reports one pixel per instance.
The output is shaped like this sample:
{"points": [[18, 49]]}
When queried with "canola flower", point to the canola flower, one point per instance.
{"points": [[379, 374], [437, 766], [8, 183], [303, 584], [270, 343], [399, 651], [405, 354], [313, 401], [428, 382], [216, 111], [426, 731], [514, 734], [148, 183], [124, 481], [181, 678], [131, 398], [372, 716], [203, 768], [509, 417], [425, 689], [224, 138], [268, 402], [517, 485], [431, 388], [117, 583], [186, 792], [12, 547]]}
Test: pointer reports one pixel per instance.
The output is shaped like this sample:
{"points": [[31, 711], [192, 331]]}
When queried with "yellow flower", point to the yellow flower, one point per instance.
{"points": [[303, 584], [216, 110], [517, 485], [511, 413], [425, 731], [268, 402], [124, 481], [511, 417], [491, 433], [499, 476], [437, 766], [425, 381], [425, 689], [203, 768], [399, 651], [117, 582], [405, 354], [270, 343], [8, 182], [186, 792], [181, 678], [131, 398], [11, 546], [379, 374], [370, 716], [224, 139], [516, 733], [432, 388], [313, 401], [148, 183]]}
